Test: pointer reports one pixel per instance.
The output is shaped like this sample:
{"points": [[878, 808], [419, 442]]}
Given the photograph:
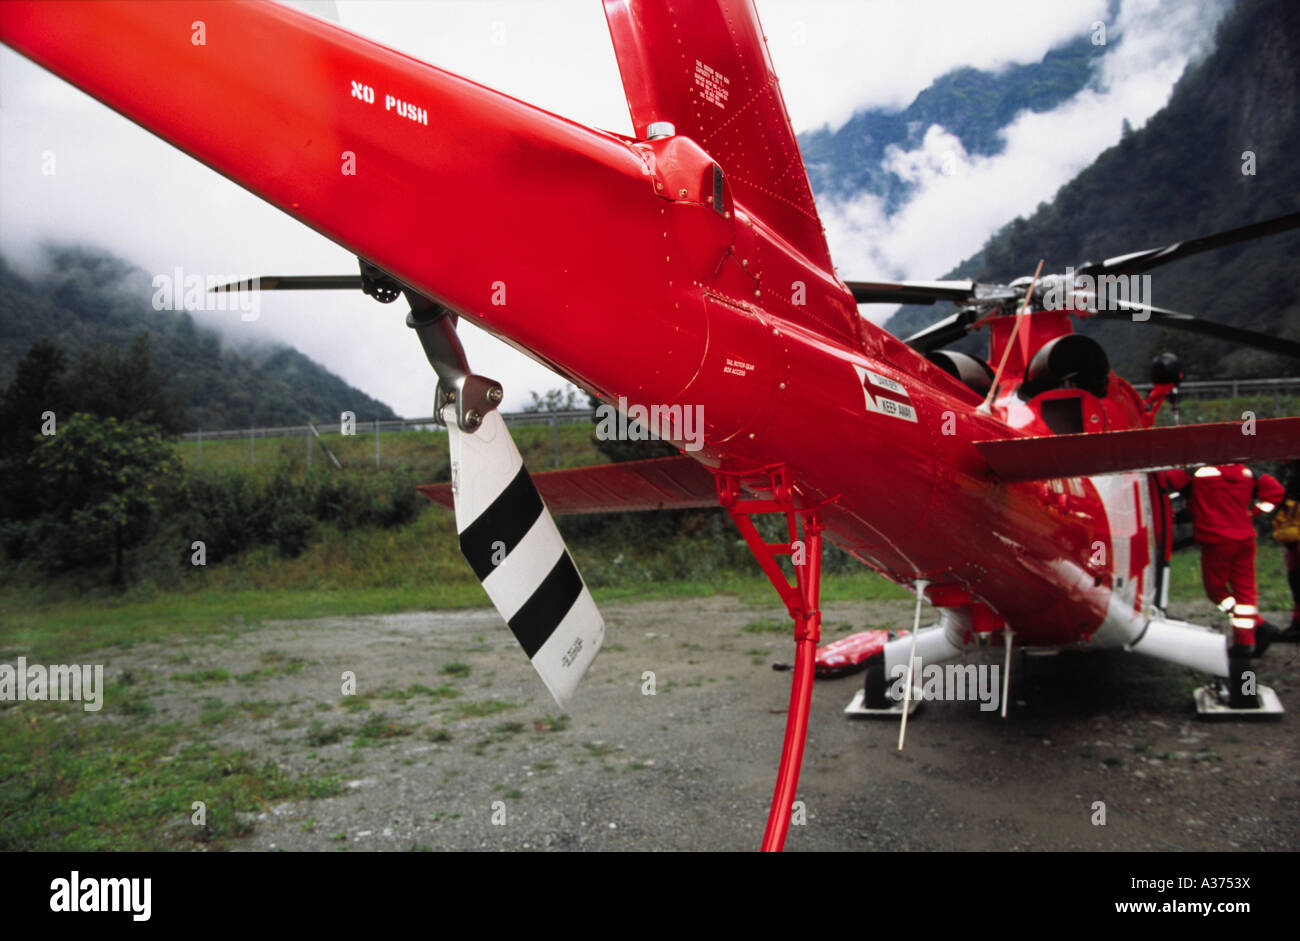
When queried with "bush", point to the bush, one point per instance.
{"points": [[234, 510], [103, 484], [688, 544]]}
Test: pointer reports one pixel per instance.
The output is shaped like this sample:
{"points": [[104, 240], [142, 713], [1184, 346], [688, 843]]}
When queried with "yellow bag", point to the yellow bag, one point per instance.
{"points": [[1286, 524]]}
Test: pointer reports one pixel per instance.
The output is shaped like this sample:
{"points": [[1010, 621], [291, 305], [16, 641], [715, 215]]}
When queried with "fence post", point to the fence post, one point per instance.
{"points": [[376, 443], [308, 449], [250, 445]]}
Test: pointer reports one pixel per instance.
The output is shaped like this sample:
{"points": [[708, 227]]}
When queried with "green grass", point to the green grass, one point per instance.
{"points": [[378, 729], [203, 677], [767, 627], [90, 784], [59, 630], [1270, 578], [478, 710], [420, 450], [214, 712], [319, 734], [272, 669], [1198, 411]]}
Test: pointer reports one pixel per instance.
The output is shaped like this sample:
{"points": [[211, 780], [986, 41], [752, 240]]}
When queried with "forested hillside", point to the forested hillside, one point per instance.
{"points": [[972, 104], [1178, 177], [86, 296]]}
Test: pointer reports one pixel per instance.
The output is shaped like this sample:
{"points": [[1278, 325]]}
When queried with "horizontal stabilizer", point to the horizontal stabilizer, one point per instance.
{"points": [[1112, 452], [661, 483]]}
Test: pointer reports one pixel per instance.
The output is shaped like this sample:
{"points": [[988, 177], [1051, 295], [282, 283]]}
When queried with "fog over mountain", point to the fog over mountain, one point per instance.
{"points": [[1178, 177], [906, 194], [80, 297]]}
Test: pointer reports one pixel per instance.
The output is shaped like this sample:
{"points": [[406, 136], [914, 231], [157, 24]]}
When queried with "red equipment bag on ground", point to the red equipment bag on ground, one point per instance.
{"points": [[849, 654]]}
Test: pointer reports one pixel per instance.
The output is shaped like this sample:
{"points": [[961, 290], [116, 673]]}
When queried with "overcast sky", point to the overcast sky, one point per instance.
{"points": [[117, 186]]}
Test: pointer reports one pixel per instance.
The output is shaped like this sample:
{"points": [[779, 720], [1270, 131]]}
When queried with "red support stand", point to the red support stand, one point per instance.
{"points": [[801, 600]]}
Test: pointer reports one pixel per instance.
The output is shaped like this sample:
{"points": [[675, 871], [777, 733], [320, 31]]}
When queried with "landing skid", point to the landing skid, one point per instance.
{"points": [[856, 707], [1210, 704]]}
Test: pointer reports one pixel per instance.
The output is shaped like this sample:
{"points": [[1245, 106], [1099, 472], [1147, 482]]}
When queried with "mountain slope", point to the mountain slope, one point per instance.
{"points": [[1178, 177], [972, 104], [87, 296]]}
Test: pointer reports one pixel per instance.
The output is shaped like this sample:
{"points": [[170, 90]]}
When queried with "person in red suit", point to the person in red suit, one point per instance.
{"points": [[1223, 501]]}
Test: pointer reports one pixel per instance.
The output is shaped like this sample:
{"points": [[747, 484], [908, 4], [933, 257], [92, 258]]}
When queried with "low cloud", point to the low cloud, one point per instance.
{"points": [[960, 200]]}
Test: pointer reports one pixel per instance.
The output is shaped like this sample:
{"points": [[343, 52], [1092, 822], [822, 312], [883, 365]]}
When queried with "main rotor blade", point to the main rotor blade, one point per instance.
{"points": [[1124, 310], [910, 292], [318, 282], [1138, 262], [945, 331]]}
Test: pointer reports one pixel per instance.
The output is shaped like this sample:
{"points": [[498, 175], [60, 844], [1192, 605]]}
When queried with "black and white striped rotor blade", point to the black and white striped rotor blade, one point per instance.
{"points": [[515, 549]]}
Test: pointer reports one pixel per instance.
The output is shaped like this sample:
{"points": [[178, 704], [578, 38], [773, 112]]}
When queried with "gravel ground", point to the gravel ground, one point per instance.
{"points": [[478, 757]]}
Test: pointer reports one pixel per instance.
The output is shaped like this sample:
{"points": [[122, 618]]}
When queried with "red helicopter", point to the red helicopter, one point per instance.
{"points": [[686, 267]]}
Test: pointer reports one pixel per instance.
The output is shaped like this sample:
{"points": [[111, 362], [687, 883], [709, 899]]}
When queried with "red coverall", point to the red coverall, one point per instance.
{"points": [[1222, 503]]}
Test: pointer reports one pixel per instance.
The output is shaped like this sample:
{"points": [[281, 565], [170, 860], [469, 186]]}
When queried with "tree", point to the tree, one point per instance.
{"points": [[126, 386], [39, 386], [555, 400], [82, 490], [617, 450], [101, 484]]}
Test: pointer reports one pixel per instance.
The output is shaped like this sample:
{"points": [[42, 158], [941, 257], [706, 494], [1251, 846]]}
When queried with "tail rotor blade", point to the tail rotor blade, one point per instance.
{"points": [[512, 544]]}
